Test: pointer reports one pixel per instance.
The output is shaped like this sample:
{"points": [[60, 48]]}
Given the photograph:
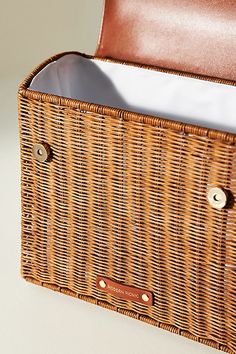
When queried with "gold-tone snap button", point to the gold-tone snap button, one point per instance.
{"points": [[41, 152], [145, 297], [102, 284], [217, 197]]}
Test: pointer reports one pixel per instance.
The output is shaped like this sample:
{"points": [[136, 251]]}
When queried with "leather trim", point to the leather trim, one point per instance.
{"points": [[124, 292], [197, 36], [101, 35]]}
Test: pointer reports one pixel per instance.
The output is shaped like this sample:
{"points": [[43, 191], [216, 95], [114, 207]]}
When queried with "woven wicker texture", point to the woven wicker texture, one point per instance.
{"points": [[125, 197]]}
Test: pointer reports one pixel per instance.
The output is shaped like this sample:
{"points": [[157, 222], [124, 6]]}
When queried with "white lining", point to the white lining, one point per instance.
{"points": [[140, 90]]}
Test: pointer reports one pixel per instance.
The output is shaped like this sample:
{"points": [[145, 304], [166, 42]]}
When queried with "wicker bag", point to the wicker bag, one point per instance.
{"points": [[128, 187]]}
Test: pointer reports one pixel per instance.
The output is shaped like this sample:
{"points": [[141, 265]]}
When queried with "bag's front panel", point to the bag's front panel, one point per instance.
{"points": [[127, 201]]}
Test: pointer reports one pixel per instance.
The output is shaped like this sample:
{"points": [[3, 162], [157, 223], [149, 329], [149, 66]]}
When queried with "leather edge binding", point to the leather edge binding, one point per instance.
{"points": [[102, 26]]}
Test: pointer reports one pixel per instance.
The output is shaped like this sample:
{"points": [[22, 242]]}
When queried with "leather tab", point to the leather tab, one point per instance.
{"points": [[124, 292], [197, 36]]}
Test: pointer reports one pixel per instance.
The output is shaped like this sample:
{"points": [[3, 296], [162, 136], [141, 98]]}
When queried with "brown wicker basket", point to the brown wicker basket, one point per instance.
{"points": [[115, 212]]}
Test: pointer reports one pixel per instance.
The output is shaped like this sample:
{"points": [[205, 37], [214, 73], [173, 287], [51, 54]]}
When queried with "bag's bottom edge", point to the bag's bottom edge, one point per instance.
{"points": [[133, 314]]}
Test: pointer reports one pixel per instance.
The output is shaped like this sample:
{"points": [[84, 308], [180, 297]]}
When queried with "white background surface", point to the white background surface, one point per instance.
{"points": [[34, 320]]}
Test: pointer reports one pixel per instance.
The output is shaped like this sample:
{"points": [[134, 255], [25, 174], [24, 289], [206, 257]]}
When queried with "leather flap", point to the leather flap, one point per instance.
{"points": [[197, 36]]}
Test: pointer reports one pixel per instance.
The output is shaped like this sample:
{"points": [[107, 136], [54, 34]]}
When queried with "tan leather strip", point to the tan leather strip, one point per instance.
{"points": [[197, 36], [125, 292]]}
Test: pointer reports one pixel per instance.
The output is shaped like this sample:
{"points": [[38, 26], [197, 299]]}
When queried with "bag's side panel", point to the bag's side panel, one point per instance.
{"points": [[127, 200], [36, 202], [230, 265]]}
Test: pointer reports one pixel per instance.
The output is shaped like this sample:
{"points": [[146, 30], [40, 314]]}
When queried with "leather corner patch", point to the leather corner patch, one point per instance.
{"points": [[125, 292]]}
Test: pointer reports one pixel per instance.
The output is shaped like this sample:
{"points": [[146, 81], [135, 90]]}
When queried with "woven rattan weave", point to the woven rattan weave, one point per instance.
{"points": [[124, 196]]}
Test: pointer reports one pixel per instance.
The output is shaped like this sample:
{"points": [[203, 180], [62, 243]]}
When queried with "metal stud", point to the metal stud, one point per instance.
{"points": [[41, 152], [102, 284], [217, 197], [145, 297]]}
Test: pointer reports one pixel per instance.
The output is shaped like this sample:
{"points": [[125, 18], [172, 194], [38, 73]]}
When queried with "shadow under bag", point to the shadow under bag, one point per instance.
{"points": [[129, 168]]}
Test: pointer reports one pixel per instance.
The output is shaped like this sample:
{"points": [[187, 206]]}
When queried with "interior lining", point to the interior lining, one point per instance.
{"points": [[140, 90]]}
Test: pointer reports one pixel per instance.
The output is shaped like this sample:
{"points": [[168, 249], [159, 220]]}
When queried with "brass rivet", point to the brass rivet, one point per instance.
{"points": [[41, 152], [145, 297], [217, 197], [102, 284]]}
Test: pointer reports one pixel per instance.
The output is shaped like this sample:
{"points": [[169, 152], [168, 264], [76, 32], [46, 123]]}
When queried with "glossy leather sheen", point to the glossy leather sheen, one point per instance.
{"points": [[124, 291], [197, 36]]}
